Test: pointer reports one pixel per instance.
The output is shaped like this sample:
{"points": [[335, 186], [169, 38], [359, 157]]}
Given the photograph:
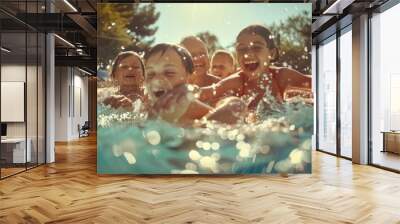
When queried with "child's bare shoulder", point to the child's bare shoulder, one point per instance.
{"points": [[283, 71], [278, 70]]}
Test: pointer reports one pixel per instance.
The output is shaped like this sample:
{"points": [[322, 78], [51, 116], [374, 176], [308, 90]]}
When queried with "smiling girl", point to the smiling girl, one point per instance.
{"points": [[256, 50], [128, 73]]}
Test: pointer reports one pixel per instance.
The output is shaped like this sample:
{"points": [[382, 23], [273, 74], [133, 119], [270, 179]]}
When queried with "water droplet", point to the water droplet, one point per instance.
{"points": [[215, 145], [270, 166], [244, 153], [199, 144], [240, 137], [188, 172], [206, 146], [208, 162], [153, 137], [216, 156], [296, 156], [232, 134], [116, 151], [194, 155], [130, 158], [190, 166]]}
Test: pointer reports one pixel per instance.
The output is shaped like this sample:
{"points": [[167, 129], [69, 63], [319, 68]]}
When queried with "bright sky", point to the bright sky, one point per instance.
{"points": [[225, 20]]}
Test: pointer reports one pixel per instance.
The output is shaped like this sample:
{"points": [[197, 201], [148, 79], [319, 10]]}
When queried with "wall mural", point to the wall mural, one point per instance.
{"points": [[196, 88]]}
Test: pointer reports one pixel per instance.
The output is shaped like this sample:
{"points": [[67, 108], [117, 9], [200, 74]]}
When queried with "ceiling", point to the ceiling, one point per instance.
{"points": [[330, 15], [75, 21]]}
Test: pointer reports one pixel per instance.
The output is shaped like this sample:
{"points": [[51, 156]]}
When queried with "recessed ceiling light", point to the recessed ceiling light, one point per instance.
{"points": [[5, 50], [337, 7], [86, 72], [70, 5], [65, 41]]}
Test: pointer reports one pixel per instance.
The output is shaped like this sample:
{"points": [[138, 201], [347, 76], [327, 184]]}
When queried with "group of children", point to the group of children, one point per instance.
{"points": [[180, 84]]}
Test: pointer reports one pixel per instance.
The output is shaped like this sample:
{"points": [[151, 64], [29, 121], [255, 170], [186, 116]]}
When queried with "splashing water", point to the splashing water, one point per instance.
{"points": [[280, 141]]}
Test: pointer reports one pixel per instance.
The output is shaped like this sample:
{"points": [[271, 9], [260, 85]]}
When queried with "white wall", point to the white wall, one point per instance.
{"points": [[61, 104], [33, 127], [10, 73], [16, 73], [70, 83], [385, 75], [81, 94]]}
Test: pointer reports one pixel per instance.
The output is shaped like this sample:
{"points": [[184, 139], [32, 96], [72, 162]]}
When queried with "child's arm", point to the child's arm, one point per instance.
{"points": [[212, 78], [119, 101], [233, 82], [196, 110], [180, 105], [229, 111], [292, 78]]}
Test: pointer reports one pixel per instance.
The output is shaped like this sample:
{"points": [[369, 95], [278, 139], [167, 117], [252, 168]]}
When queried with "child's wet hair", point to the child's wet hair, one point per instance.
{"points": [[224, 52], [194, 38], [121, 56], [184, 54], [265, 33]]}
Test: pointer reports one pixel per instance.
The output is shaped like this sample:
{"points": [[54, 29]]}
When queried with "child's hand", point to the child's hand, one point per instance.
{"points": [[119, 101], [173, 105]]}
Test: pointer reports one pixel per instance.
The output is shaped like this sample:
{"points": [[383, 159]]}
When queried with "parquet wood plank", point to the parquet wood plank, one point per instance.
{"points": [[70, 191]]}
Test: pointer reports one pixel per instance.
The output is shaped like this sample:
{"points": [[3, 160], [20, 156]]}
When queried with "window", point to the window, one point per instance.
{"points": [[22, 75], [327, 96], [385, 88], [346, 93]]}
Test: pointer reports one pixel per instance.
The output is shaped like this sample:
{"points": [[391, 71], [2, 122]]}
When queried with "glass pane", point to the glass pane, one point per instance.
{"points": [[385, 89], [13, 86], [22, 79], [346, 94], [41, 98], [314, 78], [327, 96], [31, 97], [31, 86]]}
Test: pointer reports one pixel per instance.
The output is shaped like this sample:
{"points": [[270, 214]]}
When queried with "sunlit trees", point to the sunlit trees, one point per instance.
{"points": [[293, 38], [210, 40], [124, 27]]}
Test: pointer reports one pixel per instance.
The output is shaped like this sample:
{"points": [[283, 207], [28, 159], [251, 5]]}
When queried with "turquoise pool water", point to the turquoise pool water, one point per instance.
{"points": [[130, 144]]}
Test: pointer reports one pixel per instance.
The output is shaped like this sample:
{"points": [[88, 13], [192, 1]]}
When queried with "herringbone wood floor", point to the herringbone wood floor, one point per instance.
{"points": [[70, 191]]}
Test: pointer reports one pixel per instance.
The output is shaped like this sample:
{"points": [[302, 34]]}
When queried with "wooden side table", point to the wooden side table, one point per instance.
{"points": [[391, 141]]}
